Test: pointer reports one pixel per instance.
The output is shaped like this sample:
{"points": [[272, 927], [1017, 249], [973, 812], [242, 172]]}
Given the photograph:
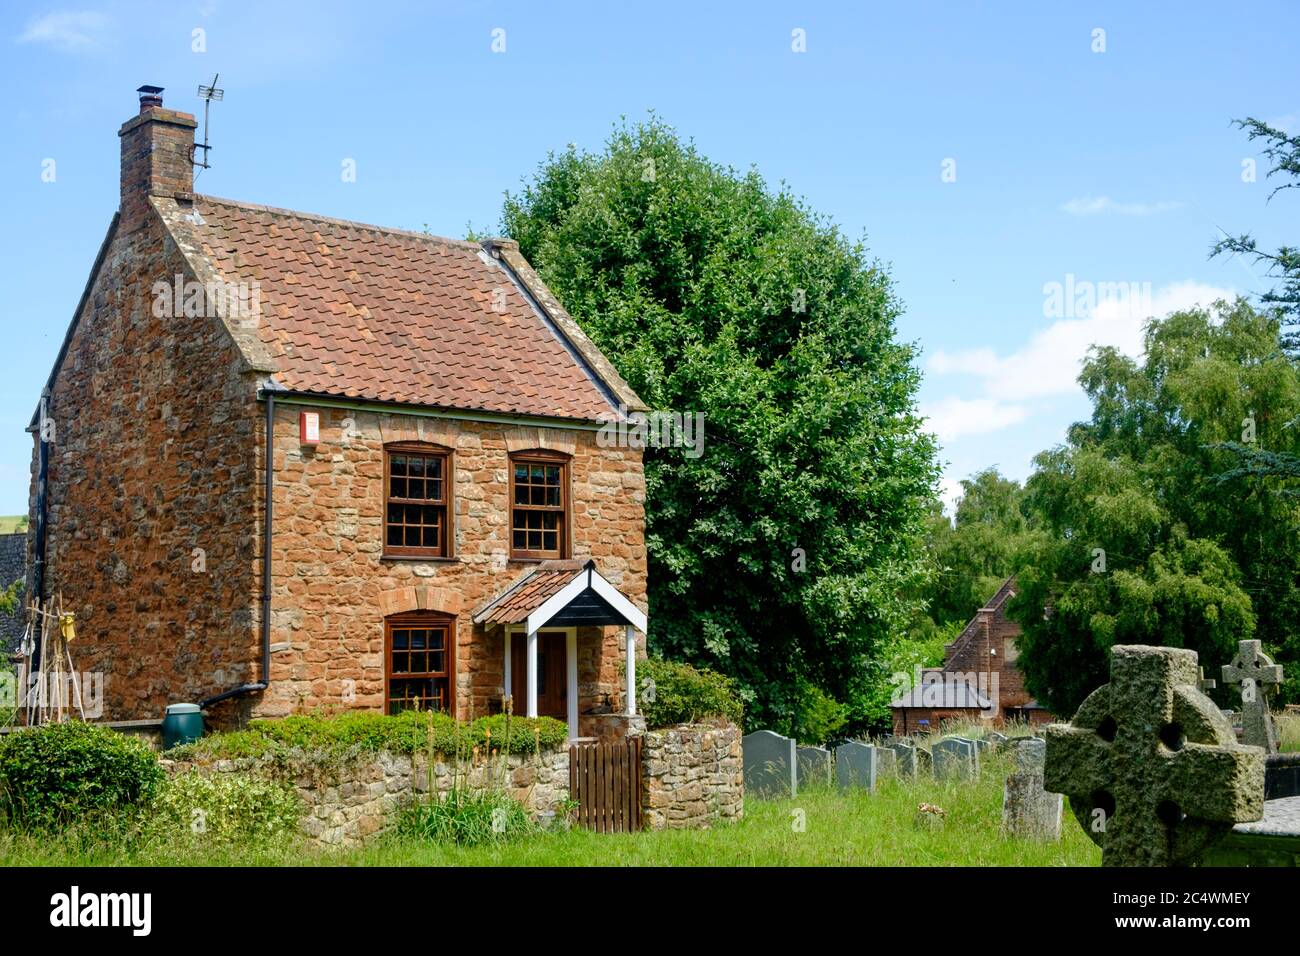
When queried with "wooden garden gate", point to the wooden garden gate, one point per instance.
{"points": [[605, 780]]}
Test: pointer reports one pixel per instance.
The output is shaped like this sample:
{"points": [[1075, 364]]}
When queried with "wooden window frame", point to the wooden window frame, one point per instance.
{"points": [[429, 620], [428, 450], [542, 457]]}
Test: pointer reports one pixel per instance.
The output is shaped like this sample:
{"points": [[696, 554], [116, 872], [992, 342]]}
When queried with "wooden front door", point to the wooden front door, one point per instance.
{"points": [[552, 680]]}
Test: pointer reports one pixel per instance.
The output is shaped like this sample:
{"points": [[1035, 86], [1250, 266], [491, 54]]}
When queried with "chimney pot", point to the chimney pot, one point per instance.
{"points": [[150, 96]]}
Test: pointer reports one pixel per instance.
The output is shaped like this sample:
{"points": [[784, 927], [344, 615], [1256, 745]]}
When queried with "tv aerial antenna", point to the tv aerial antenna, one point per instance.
{"points": [[207, 94]]}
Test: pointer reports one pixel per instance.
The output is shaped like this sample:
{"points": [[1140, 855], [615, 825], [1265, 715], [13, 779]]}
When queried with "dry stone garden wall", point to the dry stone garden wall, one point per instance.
{"points": [[693, 776], [347, 803]]}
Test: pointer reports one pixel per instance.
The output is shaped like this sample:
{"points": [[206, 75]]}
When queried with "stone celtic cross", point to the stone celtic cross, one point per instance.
{"points": [[1257, 678], [1152, 768]]}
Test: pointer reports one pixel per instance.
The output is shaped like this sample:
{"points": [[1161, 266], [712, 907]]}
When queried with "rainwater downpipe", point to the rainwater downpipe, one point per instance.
{"points": [[269, 455]]}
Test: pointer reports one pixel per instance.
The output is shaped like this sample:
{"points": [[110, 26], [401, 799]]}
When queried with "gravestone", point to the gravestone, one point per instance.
{"points": [[905, 758], [1027, 809], [999, 741], [1257, 678], [770, 766], [1206, 684], [815, 765], [857, 765], [955, 757], [888, 763], [1153, 771]]}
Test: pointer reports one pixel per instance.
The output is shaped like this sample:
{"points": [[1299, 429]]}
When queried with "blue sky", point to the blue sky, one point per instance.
{"points": [[1072, 165]]}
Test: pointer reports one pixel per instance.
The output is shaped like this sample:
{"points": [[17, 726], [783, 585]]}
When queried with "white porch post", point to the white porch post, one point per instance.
{"points": [[531, 676], [509, 683], [571, 658], [630, 636]]}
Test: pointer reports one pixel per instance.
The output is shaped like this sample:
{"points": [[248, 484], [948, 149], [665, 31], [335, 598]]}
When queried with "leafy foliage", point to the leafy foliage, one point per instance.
{"points": [[713, 294], [54, 774], [684, 694], [223, 807], [1284, 264], [351, 734], [1145, 544], [989, 539]]}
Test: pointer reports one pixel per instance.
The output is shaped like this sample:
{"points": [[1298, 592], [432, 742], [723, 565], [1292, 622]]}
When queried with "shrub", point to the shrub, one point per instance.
{"points": [[466, 818], [818, 717], [342, 736], [223, 807], [53, 774], [682, 694]]}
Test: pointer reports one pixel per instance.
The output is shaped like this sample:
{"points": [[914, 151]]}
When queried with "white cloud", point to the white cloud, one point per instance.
{"points": [[952, 417], [1050, 362], [950, 492], [1104, 205], [69, 31], [1288, 124]]}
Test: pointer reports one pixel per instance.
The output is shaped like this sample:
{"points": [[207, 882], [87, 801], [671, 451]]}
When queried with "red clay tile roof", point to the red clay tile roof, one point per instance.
{"points": [[370, 313], [528, 593]]}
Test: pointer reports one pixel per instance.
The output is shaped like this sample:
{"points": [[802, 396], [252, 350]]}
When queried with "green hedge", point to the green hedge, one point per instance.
{"points": [[360, 733], [674, 693], [58, 774]]}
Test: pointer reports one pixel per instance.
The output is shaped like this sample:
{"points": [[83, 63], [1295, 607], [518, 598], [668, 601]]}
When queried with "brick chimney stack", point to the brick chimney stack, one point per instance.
{"points": [[157, 157]]}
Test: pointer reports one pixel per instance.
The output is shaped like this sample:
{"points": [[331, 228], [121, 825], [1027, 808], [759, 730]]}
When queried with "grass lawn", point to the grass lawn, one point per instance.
{"points": [[9, 523], [841, 829]]}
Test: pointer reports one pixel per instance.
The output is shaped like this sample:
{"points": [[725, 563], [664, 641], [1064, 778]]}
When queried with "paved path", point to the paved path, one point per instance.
{"points": [[1281, 818]]}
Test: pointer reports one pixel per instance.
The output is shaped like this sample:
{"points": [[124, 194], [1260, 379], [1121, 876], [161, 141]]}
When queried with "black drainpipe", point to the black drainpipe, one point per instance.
{"points": [[265, 682], [42, 499]]}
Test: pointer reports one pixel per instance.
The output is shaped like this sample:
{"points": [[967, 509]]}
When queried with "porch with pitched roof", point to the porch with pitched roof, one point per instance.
{"points": [[561, 596]]}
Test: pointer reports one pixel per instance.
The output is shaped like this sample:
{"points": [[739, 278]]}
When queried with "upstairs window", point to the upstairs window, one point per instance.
{"points": [[539, 502], [417, 499]]}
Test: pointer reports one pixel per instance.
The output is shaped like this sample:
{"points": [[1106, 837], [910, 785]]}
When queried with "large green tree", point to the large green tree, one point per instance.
{"points": [[1145, 544], [986, 542], [785, 554]]}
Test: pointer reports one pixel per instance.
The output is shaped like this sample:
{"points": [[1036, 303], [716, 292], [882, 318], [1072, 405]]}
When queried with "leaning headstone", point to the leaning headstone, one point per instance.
{"points": [[857, 765], [905, 758], [814, 764], [924, 762], [981, 744], [1153, 771], [955, 757], [770, 766], [1027, 809], [1256, 677], [998, 740]]}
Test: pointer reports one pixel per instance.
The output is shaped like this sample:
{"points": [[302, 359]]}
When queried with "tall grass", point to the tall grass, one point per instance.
{"points": [[822, 827], [1288, 732]]}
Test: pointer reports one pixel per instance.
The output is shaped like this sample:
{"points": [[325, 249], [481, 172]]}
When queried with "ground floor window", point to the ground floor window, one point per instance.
{"points": [[419, 662]]}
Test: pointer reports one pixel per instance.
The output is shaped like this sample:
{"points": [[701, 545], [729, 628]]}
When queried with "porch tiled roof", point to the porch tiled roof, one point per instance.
{"points": [[364, 312], [528, 593]]}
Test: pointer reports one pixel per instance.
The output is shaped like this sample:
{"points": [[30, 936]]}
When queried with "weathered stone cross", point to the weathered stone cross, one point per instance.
{"points": [[1257, 678], [1152, 768]]}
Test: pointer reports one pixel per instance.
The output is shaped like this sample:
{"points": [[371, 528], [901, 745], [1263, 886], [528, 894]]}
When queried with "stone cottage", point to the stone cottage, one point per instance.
{"points": [[13, 570], [286, 463], [979, 677]]}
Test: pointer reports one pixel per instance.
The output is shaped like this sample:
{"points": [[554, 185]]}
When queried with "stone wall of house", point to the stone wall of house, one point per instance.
{"points": [[333, 587], [153, 488], [693, 776]]}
